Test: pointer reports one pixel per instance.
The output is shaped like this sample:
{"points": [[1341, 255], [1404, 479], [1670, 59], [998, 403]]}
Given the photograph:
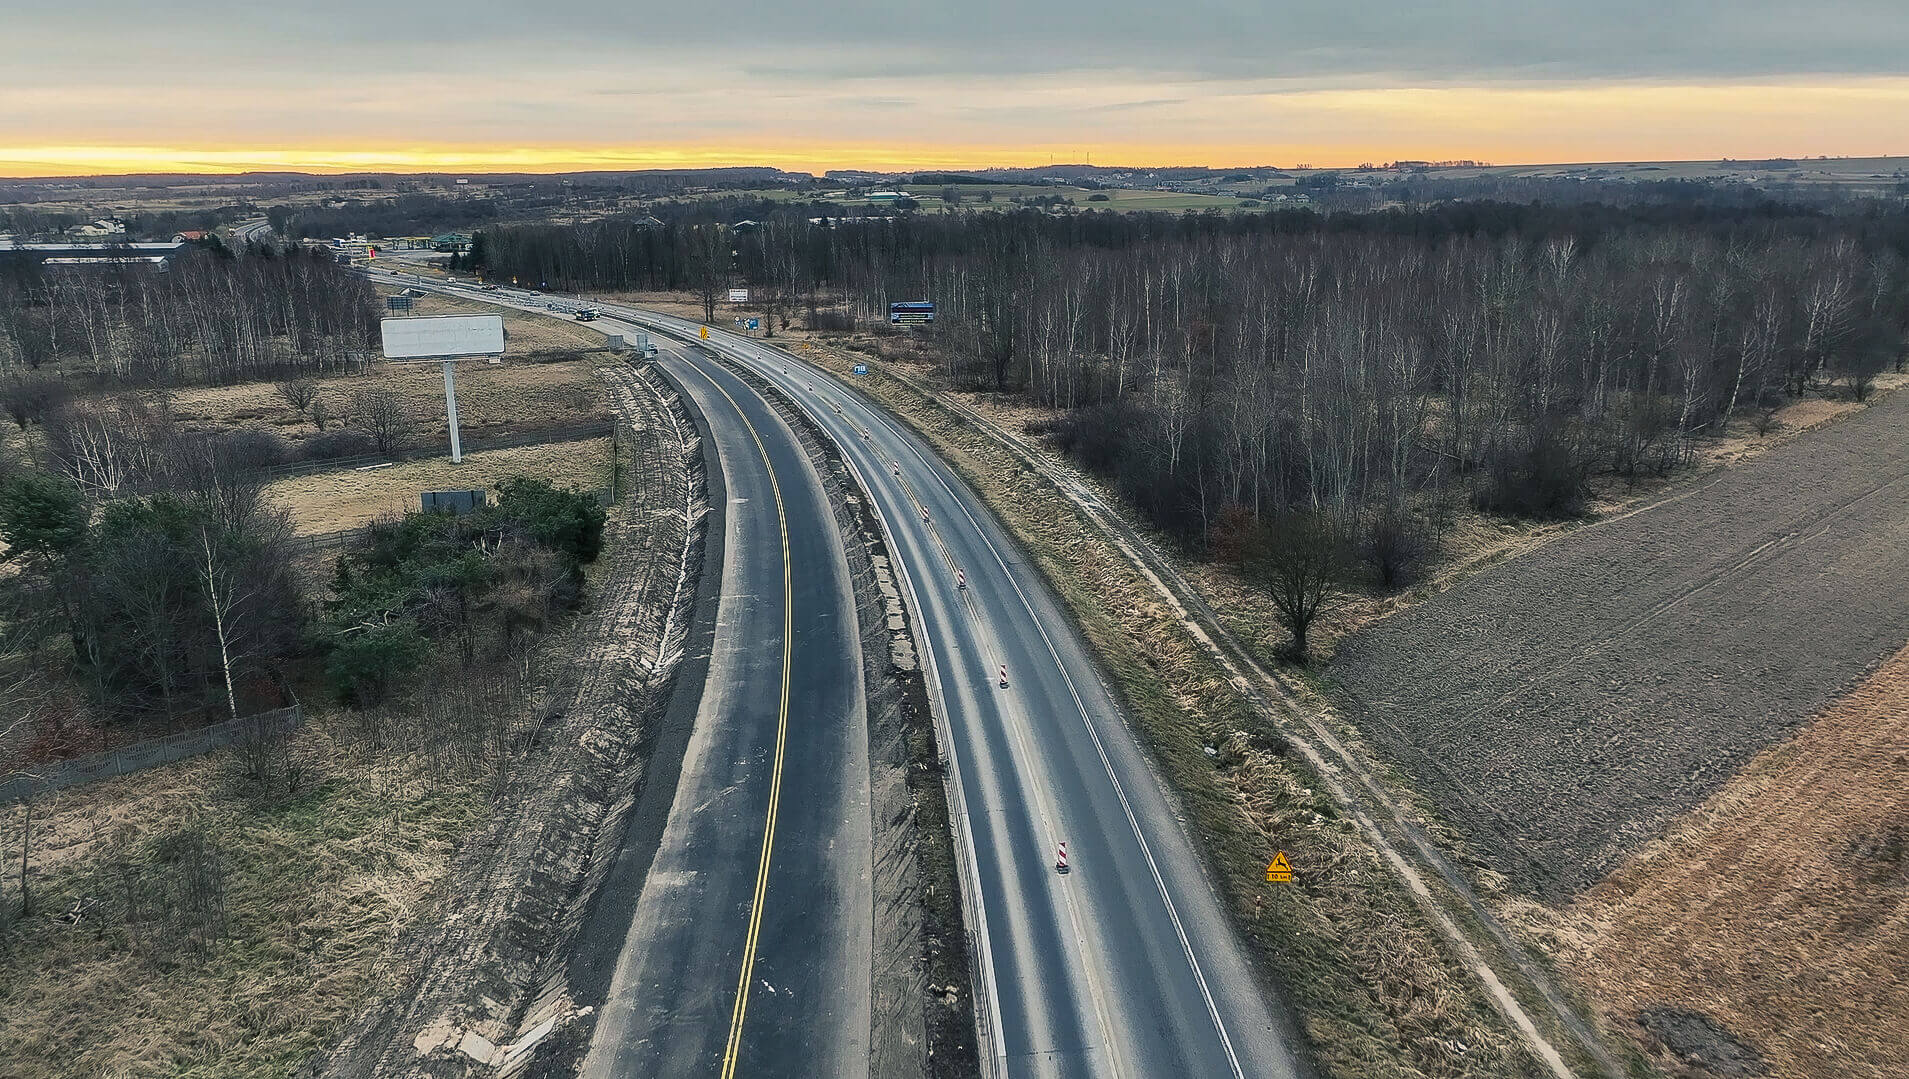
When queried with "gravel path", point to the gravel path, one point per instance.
{"points": [[1564, 707]]}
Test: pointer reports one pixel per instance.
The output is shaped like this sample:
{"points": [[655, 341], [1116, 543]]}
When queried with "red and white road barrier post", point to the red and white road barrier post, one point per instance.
{"points": [[1004, 675], [961, 579], [1060, 857]]}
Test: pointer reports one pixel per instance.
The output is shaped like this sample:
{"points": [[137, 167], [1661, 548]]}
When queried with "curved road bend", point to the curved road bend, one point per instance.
{"points": [[1126, 966], [748, 948]]}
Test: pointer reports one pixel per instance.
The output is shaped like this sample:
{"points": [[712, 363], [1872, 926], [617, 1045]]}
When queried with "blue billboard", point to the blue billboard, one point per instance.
{"points": [[911, 313]]}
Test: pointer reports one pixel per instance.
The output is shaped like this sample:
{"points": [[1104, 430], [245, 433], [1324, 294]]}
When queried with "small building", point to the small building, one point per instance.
{"points": [[189, 236], [100, 229], [450, 241]]}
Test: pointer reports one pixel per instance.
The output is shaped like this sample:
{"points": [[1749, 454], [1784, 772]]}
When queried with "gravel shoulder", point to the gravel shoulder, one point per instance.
{"points": [[1564, 707]]}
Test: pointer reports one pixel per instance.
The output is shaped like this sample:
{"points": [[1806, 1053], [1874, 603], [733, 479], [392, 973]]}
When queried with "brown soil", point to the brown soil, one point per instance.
{"points": [[1564, 708], [1780, 909]]}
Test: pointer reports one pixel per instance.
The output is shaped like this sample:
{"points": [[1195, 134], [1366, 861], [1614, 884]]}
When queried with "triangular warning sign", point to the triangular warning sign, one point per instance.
{"points": [[1279, 870]]}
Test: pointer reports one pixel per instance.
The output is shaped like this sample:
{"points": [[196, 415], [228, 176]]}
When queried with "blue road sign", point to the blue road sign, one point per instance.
{"points": [[911, 313], [861, 369], [755, 324]]}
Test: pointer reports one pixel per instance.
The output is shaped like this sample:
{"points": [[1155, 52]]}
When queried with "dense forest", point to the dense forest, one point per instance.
{"points": [[208, 318], [1343, 363]]}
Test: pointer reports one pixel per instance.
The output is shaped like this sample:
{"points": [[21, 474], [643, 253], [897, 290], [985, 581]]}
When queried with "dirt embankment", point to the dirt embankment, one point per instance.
{"points": [[1562, 708], [1768, 932], [482, 986]]}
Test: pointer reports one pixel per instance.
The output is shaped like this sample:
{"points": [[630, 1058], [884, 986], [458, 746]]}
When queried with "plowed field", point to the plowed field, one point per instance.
{"points": [[1564, 707]]}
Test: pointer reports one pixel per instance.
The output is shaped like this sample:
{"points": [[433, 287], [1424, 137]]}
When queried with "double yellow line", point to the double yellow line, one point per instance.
{"points": [[733, 1049]]}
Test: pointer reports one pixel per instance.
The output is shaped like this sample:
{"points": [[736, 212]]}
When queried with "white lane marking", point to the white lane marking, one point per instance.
{"points": [[1173, 914]]}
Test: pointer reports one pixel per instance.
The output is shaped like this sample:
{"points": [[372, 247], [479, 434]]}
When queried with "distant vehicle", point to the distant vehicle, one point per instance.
{"points": [[587, 314]]}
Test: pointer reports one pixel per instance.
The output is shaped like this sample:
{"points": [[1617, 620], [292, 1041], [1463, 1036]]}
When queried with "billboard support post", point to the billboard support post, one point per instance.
{"points": [[450, 409], [446, 338]]}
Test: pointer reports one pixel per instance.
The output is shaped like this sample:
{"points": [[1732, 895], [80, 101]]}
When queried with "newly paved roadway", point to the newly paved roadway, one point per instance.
{"points": [[1125, 966], [748, 949]]}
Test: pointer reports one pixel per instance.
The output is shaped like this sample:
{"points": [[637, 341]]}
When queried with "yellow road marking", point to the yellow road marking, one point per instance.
{"points": [[733, 1049]]}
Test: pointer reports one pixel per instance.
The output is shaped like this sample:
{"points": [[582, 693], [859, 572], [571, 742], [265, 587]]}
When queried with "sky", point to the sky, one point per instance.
{"points": [[222, 86]]}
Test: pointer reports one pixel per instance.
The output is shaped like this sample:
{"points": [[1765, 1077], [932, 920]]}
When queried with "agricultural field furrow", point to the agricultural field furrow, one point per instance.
{"points": [[1564, 707]]}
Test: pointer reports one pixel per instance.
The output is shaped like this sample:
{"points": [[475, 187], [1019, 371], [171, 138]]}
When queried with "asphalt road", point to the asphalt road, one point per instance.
{"points": [[747, 950], [1126, 965]]}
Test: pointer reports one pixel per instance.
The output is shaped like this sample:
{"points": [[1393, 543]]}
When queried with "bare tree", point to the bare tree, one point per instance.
{"points": [[380, 414], [709, 265], [299, 393], [319, 411], [1300, 559]]}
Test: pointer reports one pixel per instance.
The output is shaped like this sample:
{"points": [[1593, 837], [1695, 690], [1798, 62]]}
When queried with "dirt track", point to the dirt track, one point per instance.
{"points": [[1564, 707]]}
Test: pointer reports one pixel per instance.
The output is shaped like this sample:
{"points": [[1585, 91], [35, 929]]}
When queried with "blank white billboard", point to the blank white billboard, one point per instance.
{"points": [[433, 336]]}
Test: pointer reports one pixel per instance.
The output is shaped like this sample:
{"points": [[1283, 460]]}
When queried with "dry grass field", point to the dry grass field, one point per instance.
{"points": [[1562, 708], [353, 498], [312, 889], [1779, 911], [492, 400]]}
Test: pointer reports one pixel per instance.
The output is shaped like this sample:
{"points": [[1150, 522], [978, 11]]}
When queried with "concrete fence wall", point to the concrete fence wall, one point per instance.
{"points": [[149, 753]]}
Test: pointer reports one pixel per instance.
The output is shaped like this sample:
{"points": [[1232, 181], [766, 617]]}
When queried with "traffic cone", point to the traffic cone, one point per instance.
{"points": [[1004, 676], [1060, 857], [961, 579]]}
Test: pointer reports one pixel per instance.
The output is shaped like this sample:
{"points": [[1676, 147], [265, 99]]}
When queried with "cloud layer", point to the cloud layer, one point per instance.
{"points": [[835, 80]]}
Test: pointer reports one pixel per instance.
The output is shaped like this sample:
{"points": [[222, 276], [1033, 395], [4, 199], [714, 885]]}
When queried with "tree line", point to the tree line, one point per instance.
{"points": [[1342, 380], [209, 318], [181, 607]]}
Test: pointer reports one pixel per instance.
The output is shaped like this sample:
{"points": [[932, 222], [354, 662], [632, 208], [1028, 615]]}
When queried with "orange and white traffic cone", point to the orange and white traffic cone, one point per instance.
{"points": [[1060, 858]]}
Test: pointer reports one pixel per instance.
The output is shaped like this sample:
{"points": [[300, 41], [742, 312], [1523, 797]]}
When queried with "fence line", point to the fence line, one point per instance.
{"points": [[476, 445], [150, 753]]}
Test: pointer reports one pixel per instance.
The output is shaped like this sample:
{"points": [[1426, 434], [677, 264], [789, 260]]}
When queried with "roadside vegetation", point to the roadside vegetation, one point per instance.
{"points": [[1374, 991], [1370, 377], [225, 915], [1333, 420]]}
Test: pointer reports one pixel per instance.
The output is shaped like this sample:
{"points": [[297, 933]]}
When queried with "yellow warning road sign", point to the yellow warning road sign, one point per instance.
{"points": [[705, 333], [1279, 870]]}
